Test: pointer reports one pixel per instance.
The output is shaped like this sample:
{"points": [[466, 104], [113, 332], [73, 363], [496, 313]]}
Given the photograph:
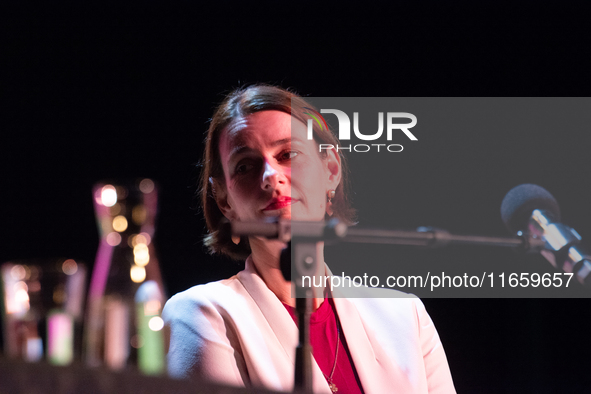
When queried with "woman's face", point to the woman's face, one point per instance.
{"points": [[272, 170]]}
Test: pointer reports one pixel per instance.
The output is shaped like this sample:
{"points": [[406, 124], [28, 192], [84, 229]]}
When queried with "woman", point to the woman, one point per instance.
{"points": [[241, 331]]}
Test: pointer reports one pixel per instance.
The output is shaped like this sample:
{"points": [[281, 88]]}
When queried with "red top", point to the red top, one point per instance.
{"points": [[323, 338]]}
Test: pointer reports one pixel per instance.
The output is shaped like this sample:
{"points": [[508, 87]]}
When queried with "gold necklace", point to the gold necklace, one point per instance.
{"points": [[333, 387]]}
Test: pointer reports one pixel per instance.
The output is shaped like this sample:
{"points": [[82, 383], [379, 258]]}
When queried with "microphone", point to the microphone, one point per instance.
{"points": [[532, 211]]}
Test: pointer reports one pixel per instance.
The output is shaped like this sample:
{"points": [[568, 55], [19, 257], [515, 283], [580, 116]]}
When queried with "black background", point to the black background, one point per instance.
{"points": [[126, 91]]}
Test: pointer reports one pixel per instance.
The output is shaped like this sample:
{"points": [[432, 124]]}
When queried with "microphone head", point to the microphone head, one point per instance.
{"points": [[521, 201]]}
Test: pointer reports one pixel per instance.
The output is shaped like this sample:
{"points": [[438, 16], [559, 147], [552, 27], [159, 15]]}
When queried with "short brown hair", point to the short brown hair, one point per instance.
{"points": [[239, 104]]}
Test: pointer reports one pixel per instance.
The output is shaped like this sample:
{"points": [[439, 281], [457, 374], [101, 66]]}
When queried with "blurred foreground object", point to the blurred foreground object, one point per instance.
{"points": [[125, 213], [33, 378], [43, 299], [150, 329]]}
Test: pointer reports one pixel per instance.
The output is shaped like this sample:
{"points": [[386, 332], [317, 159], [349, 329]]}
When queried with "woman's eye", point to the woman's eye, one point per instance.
{"points": [[242, 168], [288, 155]]}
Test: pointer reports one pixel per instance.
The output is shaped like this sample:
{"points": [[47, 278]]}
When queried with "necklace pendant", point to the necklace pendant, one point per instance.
{"points": [[333, 387]]}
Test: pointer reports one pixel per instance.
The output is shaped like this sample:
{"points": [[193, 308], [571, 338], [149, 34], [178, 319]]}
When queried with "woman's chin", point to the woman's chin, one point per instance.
{"points": [[307, 218], [283, 213], [293, 212]]}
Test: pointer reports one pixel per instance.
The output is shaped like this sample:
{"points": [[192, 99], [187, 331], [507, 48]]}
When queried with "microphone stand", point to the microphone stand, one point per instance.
{"points": [[305, 262], [333, 231]]}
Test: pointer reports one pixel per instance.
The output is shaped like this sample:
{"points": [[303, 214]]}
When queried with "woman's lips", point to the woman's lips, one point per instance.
{"points": [[279, 203]]}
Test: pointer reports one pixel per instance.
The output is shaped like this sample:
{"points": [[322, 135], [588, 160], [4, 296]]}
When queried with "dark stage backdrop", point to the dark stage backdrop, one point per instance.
{"points": [[118, 93]]}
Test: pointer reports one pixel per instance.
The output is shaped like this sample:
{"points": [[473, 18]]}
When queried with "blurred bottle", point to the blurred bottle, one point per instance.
{"points": [[43, 299], [150, 329], [125, 259], [22, 311], [64, 290]]}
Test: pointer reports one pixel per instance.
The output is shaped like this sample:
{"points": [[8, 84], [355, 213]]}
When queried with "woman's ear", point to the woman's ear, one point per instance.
{"points": [[221, 198], [333, 166]]}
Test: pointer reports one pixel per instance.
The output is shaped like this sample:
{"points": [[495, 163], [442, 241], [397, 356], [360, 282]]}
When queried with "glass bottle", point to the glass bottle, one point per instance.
{"points": [[125, 213]]}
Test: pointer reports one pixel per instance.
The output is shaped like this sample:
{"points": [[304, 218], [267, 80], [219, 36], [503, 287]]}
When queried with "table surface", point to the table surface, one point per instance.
{"points": [[41, 378]]}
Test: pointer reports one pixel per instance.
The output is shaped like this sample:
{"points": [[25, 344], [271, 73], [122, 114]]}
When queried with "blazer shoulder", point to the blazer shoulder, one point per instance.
{"points": [[206, 296]]}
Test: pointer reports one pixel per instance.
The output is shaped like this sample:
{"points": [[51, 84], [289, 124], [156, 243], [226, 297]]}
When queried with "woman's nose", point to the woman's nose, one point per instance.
{"points": [[269, 176]]}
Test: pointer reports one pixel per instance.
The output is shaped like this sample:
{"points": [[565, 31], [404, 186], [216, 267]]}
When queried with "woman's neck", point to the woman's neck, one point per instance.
{"points": [[266, 256]]}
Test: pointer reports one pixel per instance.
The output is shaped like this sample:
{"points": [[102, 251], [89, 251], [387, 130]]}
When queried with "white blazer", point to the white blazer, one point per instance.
{"points": [[236, 332]]}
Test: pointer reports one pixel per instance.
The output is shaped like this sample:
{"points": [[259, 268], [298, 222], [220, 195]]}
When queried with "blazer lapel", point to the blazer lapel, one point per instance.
{"points": [[376, 371], [282, 326], [374, 367]]}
